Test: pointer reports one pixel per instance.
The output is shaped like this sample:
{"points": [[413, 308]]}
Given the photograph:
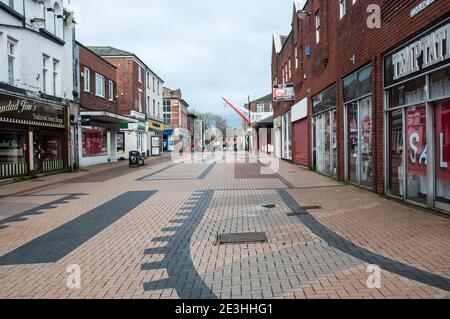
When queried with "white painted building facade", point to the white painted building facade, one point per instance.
{"points": [[36, 70]]}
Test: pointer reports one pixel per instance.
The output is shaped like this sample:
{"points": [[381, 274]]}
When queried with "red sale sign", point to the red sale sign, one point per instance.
{"points": [[442, 116], [416, 140]]}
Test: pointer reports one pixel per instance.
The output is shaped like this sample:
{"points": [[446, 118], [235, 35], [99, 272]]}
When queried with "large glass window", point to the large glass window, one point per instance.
{"points": [[326, 142], [440, 83], [94, 141], [416, 139], [357, 94], [120, 142], [12, 148], [353, 149], [365, 124], [442, 117], [409, 93]]}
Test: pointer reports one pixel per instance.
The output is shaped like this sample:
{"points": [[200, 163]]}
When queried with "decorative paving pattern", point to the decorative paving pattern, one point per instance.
{"points": [[182, 274], [321, 235], [59, 242]]}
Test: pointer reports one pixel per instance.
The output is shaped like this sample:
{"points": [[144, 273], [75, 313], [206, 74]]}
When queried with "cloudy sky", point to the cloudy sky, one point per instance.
{"points": [[208, 48]]}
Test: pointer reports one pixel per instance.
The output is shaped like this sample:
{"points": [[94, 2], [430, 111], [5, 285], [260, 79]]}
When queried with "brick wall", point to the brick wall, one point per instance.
{"points": [[128, 84], [95, 64], [331, 59]]}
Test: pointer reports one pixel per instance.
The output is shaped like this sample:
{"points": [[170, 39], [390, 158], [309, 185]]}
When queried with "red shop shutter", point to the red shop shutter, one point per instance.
{"points": [[300, 131]]}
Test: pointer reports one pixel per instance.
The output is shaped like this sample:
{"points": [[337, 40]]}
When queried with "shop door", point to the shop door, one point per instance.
{"points": [[38, 153], [442, 118], [300, 130]]}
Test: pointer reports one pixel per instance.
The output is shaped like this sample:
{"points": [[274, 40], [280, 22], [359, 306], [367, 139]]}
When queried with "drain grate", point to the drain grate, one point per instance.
{"points": [[242, 238], [269, 206]]}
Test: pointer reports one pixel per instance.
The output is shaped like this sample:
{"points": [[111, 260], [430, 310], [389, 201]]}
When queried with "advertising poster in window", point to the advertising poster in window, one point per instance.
{"points": [[120, 142], [12, 147], [443, 141], [94, 141], [417, 141]]}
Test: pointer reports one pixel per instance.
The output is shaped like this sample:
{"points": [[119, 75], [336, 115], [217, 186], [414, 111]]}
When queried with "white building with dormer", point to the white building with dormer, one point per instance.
{"points": [[36, 87]]}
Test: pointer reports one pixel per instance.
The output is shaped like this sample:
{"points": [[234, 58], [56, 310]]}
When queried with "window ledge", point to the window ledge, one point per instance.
{"points": [[11, 11], [51, 36]]}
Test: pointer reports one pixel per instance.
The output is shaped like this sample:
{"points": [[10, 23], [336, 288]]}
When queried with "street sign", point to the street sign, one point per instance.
{"points": [[283, 92]]}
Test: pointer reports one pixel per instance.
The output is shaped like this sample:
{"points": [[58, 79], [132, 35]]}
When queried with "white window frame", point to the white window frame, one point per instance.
{"points": [[99, 84], [45, 60], [140, 100], [342, 8], [111, 90], [296, 56], [87, 80], [11, 51], [260, 108], [55, 76], [140, 74], [318, 26]]}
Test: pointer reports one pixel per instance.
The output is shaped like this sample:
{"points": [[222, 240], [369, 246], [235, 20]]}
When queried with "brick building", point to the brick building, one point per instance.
{"points": [[134, 99], [261, 115], [175, 112], [99, 135], [371, 83]]}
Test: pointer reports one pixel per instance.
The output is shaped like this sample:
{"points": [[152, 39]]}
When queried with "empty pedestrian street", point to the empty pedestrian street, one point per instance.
{"points": [[210, 226]]}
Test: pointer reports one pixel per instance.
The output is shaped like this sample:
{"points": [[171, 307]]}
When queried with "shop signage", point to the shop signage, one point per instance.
{"points": [[300, 110], [25, 111], [430, 50], [283, 92], [156, 125], [277, 122]]}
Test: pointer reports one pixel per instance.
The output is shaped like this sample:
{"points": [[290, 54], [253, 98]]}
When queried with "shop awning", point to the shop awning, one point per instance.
{"points": [[108, 117]]}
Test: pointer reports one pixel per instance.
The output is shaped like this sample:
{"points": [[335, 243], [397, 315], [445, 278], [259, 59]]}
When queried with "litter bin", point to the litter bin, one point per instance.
{"points": [[134, 158]]}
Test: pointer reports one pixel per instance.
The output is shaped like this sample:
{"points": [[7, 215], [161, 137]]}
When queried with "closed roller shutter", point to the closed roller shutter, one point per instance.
{"points": [[300, 130]]}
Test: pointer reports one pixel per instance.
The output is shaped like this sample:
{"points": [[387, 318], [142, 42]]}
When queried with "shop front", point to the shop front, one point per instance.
{"points": [[417, 119], [277, 137], [33, 137], [155, 134], [358, 128], [325, 132], [286, 136], [168, 141], [133, 137], [300, 132], [100, 137]]}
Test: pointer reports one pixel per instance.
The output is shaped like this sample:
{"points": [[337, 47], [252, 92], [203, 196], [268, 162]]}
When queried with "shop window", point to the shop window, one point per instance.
{"points": [[120, 142], [416, 138], [358, 85], [440, 83], [442, 118], [365, 115], [353, 149], [396, 168], [411, 92], [94, 141], [12, 148]]}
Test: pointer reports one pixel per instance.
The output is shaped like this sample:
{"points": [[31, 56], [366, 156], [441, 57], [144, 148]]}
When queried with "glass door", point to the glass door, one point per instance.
{"points": [[416, 139], [365, 137], [442, 157], [38, 152], [353, 142]]}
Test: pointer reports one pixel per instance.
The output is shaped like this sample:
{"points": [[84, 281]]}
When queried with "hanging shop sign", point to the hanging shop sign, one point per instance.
{"points": [[30, 112], [419, 55], [283, 92]]}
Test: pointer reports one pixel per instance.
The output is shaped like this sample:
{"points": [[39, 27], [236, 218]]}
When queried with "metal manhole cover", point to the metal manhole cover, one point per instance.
{"points": [[269, 206], [242, 238]]}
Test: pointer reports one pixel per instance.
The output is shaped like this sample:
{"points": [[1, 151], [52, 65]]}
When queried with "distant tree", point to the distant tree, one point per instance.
{"points": [[221, 124]]}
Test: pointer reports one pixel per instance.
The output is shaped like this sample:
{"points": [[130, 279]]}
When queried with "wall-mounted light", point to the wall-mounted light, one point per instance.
{"points": [[303, 14], [38, 21]]}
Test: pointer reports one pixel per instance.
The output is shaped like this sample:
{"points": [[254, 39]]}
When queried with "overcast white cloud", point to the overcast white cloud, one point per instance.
{"points": [[208, 48]]}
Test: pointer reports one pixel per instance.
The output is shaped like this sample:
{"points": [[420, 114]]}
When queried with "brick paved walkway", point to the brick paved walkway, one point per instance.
{"points": [[151, 233]]}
